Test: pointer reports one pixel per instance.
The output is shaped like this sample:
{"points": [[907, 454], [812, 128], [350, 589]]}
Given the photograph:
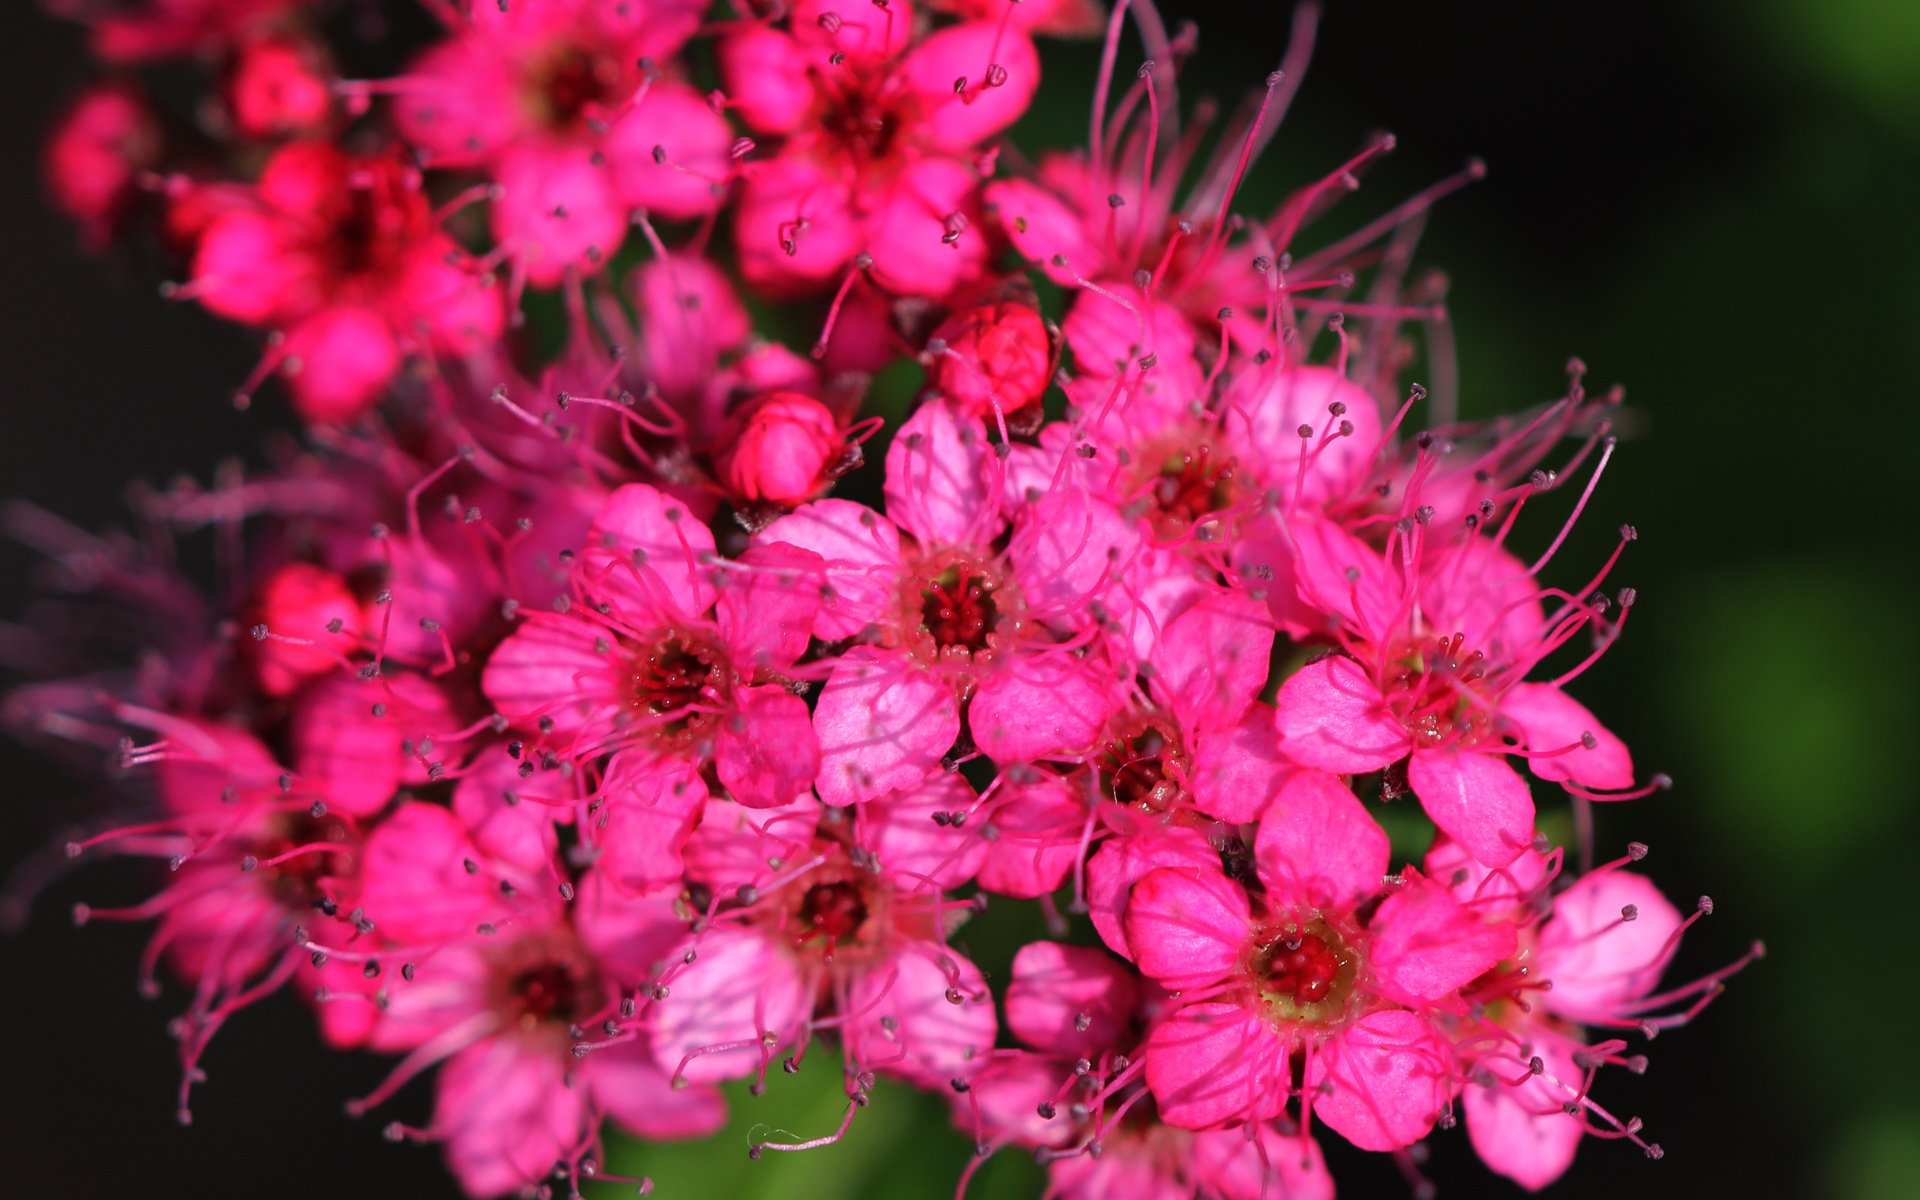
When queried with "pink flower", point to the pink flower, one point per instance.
{"points": [[342, 254], [253, 854], [1435, 648], [1306, 964], [664, 658], [823, 919], [483, 970], [945, 619], [562, 103], [878, 158], [1591, 956]]}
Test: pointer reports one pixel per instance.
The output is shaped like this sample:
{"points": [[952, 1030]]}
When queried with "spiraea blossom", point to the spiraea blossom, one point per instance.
{"points": [[617, 694]]}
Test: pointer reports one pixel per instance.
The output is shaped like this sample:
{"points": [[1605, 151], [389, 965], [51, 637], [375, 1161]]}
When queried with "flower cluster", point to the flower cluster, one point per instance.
{"points": [[599, 724]]}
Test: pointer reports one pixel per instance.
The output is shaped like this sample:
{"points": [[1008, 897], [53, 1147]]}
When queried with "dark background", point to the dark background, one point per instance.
{"points": [[1711, 203]]}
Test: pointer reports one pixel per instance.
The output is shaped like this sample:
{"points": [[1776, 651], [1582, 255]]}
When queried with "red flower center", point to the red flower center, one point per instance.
{"points": [[670, 678], [570, 82], [1145, 769], [833, 912], [958, 609], [1192, 485], [1439, 693], [1303, 967], [1306, 971], [553, 989]]}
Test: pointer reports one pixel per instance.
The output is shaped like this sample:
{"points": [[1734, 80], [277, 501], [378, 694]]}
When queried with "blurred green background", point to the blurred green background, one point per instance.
{"points": [[1713, 204]]}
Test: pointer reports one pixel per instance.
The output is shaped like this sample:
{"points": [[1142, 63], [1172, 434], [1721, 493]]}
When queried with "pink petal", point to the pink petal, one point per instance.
{"points": [[1212, 660], [861, 553], [1484, 593], [1037, 832], [1426, 946], [1042, 227], [1550, 720], [1037, 706], [908, 1024], [766, 752], [794, 226], [1187, 926], [1382, 1082], [632, 936], [1236, 770], [1318, 847], [338, 361], [740, 987], [676, 119], [940, 480], [650, 557], [1069, 549], [557, 209], [735, 845], [508, 1113], [1209, 1064], [883, 725], [1475, 799], [768, 604], [630, 1087], [1331, 717], [907, 228], [1121, 861], [650, 807], [1525, 1132], [343, 751], [1268, 1166], [1598, 960], [914, 852], [416, 887], [514, 830], [551, 667], [1055, 986], [1487, 888], [1264, 412], [766, 77], [959, 120]]}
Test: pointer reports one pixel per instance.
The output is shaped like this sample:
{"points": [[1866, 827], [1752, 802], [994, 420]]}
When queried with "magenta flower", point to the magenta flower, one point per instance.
{"points": [[667, 663], [1300, 968], [564, 105], [880, 153], [343, 257]]}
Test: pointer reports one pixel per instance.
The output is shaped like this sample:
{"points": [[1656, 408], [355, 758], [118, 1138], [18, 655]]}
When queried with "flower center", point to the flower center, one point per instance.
{"points": [[571, 80], [1191, 486], [1145, 770], [958, 609], [669, 679], [552, 989], [1305, 972], [302, 853], [863, 124], [1438, 693], [833, 912]]}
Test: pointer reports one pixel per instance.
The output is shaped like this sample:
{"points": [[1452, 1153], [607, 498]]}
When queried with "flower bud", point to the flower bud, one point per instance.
{"points": [[96, 153], [778, 449], [279, 87], [990, 356]]}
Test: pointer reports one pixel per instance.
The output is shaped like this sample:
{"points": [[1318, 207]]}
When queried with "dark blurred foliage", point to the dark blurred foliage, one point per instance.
{"points": [[1712, 204]]}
